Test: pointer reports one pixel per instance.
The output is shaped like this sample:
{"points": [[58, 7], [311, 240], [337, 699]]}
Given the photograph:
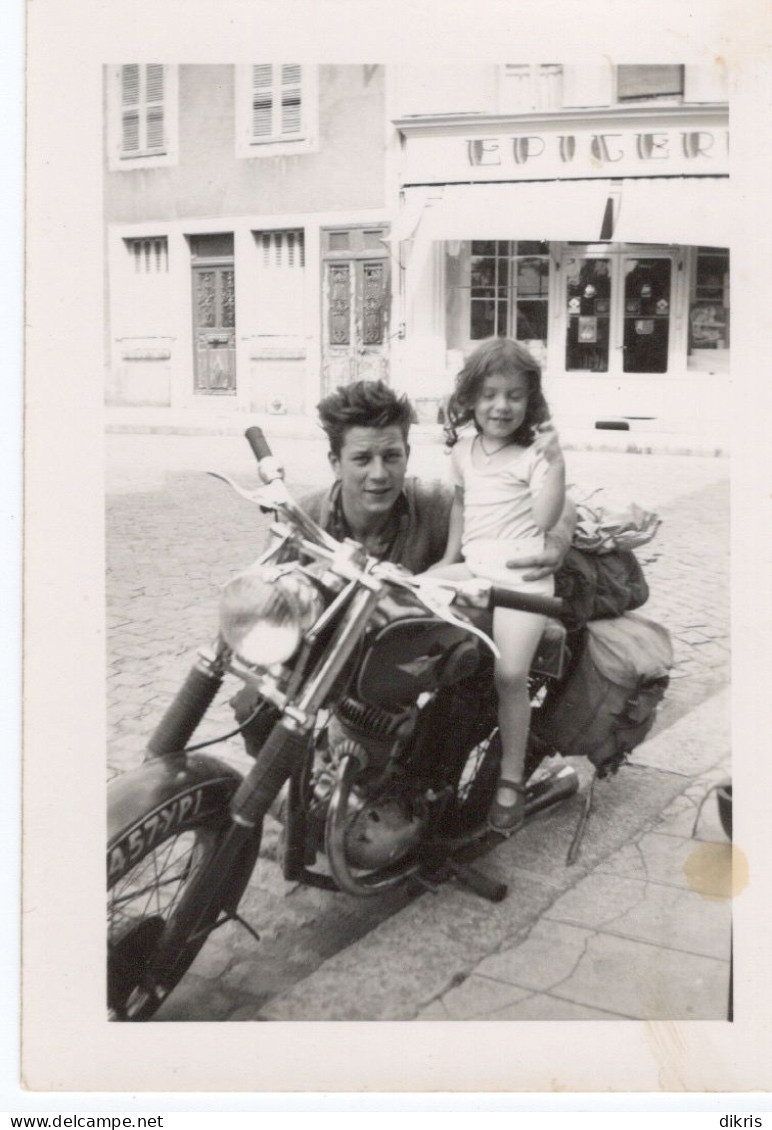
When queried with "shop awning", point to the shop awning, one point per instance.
{"points": [[691, 211], [539, 210], [678, 210]]}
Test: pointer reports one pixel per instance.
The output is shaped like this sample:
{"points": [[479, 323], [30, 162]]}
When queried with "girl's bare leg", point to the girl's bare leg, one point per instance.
{"points": [[517, 635]]}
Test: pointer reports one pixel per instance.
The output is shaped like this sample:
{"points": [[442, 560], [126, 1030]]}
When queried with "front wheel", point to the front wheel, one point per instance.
{"points": [[166, 823]]}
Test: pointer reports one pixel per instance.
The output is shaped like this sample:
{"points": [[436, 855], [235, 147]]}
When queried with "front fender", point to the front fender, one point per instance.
{"points": [[208, 783]]}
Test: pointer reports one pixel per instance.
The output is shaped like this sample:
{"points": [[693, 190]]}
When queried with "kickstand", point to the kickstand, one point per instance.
{"points": [[584, 815], [221, 922]]}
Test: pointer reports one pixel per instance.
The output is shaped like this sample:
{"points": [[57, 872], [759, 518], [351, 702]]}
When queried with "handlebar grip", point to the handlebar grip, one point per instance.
{"points": [[526, 601], [258, 443]]}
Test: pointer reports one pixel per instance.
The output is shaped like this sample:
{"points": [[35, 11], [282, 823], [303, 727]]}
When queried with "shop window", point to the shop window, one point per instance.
{"points": [[642, 83], [280, 281], [508, 290], [709, 311], [276, 108], [530, 86], [142, 115]]}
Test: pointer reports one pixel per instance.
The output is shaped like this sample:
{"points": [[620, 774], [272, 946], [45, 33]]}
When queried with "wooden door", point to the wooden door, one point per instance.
{"points": [[355, 305], [214, 315]]}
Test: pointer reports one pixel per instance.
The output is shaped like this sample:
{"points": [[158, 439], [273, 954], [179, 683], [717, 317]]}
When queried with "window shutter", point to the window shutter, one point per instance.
{"points": [[130, 85], [155, 128], [155, 82], [262, 101], [154, 93], [290, 98], [130, 103]]}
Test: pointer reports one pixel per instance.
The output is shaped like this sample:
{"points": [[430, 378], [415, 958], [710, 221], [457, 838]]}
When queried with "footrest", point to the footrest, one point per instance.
{"points": [[558, 786], [480, 884]]}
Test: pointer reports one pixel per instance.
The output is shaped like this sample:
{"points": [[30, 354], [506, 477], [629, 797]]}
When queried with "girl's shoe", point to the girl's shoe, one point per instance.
{"points": [[508, 818]]}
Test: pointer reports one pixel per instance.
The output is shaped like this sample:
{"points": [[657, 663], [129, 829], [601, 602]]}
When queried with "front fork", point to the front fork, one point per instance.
{"points": [[190, 704], [281, 757]]}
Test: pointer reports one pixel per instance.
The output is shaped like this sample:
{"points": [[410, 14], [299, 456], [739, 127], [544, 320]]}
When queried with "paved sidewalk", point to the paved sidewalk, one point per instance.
{"points": [[645, 936], [642, 934]]}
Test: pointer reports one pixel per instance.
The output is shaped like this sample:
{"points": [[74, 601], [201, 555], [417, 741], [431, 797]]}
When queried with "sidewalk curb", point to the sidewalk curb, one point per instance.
{"points": [[631, 442]]}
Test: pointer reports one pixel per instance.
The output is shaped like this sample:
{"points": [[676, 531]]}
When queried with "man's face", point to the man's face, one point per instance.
{"points": [[371, 468]]}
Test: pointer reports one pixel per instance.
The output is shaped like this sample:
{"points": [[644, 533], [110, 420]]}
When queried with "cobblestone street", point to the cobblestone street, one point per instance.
{"points": [[174, 536]]}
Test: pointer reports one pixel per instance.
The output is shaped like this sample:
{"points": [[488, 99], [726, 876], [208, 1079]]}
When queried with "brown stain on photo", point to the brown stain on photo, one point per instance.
{"points": [[716, 871]]}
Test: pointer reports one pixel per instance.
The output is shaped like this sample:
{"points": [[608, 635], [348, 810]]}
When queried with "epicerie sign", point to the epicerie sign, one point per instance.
{"points": [[577, 154]]}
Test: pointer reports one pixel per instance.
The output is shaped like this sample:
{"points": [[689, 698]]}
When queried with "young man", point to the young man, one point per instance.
{"points": [[396, 517]]}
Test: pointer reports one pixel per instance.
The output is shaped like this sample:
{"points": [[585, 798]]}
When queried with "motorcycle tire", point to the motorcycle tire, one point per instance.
{"points": [[165, 823]]}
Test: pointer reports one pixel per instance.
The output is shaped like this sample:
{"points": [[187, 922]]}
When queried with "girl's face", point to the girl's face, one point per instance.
{"points": [[501, 405]]}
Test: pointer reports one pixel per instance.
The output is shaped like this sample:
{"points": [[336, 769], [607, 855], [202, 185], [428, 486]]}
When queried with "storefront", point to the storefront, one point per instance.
{"points": [[598, 240]]}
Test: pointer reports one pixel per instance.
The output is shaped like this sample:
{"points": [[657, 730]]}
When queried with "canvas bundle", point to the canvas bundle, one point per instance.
{"points": [[603, 524], [608, 703], [596, 586]]}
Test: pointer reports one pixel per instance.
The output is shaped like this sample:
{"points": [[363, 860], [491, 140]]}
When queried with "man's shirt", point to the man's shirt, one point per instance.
{"points": [[417, 531]]}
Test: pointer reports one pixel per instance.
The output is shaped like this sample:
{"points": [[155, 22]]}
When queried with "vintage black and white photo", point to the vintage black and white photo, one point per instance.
{"points": [[398, 658], [282, 236]]}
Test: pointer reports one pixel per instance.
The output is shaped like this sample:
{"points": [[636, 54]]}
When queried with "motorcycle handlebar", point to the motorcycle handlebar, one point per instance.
{"points": [[526, 601]]}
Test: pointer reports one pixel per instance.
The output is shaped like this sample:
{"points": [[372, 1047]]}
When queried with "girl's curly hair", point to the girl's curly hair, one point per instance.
{"points": [[497, 355]]}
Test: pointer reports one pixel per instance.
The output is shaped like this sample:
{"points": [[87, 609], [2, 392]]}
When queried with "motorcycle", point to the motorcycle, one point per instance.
{"points": [[374, 736]]}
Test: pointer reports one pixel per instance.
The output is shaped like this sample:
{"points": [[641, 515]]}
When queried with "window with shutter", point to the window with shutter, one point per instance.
{"points": [[277, 102], [142, 110], [276, 109]]}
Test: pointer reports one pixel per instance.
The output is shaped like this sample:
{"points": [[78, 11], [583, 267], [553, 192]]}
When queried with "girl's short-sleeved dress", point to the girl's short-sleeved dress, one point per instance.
{"points": [[498, 520]]}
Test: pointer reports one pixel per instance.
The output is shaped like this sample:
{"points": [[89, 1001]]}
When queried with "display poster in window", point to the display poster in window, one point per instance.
{"points": [[708, 325], [588, 329]]}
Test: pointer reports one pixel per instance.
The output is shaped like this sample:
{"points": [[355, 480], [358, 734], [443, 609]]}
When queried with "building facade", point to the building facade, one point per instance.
{"points": [[246, 219], [275, 230]]}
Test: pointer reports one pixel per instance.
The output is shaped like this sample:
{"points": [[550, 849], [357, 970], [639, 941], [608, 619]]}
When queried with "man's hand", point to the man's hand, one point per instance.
{"points": [[540, 564], [557, 543]]}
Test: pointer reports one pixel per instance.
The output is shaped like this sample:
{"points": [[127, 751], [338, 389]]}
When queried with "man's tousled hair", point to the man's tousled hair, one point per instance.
{"points": [[363, 404]]}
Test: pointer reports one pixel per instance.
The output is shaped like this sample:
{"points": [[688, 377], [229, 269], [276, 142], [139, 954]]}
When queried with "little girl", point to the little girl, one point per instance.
{"points": [[510, 490]]}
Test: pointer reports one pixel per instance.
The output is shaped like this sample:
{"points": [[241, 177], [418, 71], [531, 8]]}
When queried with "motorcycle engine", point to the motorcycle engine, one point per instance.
{"points": [[385, 818]]}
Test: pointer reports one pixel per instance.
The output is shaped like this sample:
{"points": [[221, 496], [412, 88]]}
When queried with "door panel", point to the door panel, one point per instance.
{"points": [[214, 319], [588, 309], [647, 315], [355, 306]]}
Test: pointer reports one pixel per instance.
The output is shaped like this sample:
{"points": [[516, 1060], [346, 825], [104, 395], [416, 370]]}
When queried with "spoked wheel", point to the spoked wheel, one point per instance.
{"points": [[158, 918], [142, 915]]}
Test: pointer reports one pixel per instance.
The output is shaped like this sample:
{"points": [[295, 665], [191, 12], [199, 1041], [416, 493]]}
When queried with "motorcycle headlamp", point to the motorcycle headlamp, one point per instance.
{"points": [[264, 613]]}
